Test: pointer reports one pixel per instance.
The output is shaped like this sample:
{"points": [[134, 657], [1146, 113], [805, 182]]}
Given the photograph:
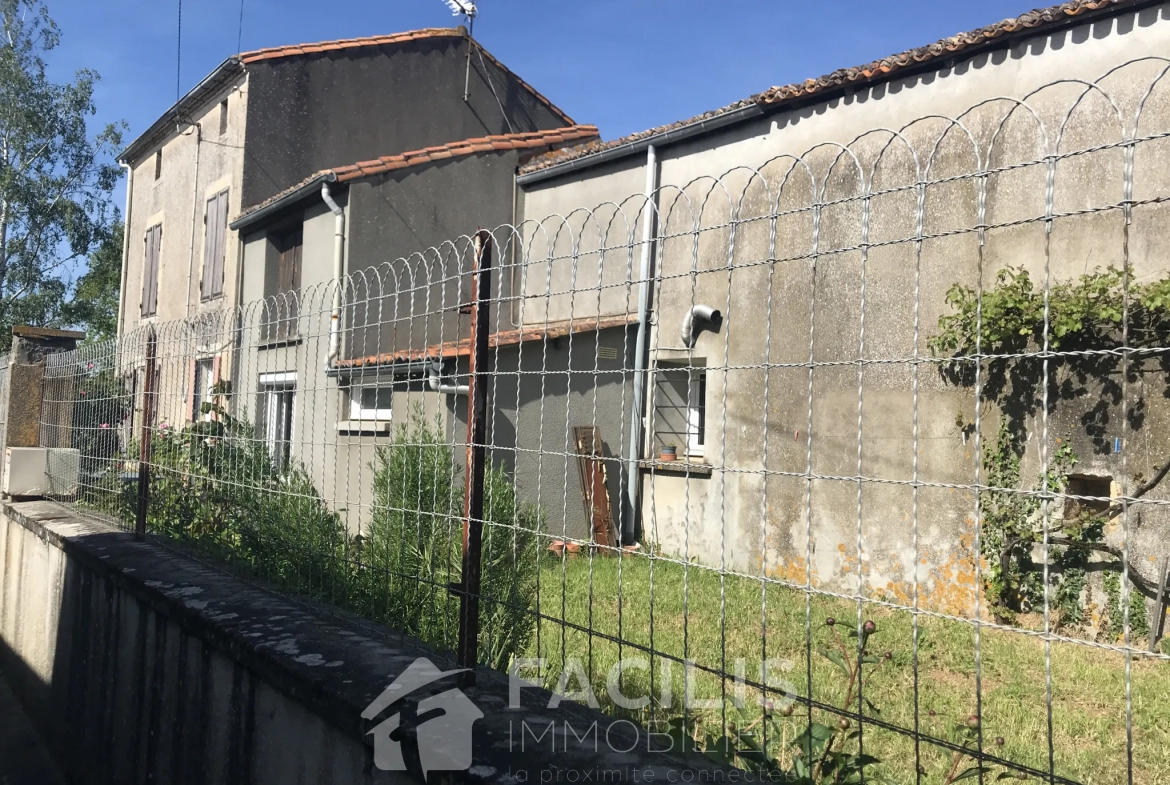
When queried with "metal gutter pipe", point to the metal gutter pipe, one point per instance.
{"points": [[436, 384], [637, 145], [338, 269], [633, 486], [125, 242], [194, 214]]}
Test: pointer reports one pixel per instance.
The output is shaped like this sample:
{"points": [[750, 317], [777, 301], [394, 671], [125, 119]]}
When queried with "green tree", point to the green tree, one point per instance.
{"points": [[55, 176], [94, 306]]}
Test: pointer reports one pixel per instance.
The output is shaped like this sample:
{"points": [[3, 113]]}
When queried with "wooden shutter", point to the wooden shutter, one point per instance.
{"points": [[289, 286], [214, 245], [153, 250]]}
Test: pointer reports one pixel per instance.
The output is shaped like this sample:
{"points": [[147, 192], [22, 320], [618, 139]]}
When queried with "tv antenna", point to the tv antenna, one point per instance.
{"points": [[466, 9]]}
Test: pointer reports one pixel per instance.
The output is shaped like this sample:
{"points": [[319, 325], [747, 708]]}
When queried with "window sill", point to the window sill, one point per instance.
{"points": [[680, 466], [210, 298], [364, 427], [281, 343]]}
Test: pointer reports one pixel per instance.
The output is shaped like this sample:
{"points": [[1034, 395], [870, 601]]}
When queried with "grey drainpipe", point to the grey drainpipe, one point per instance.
{"points": [[338, 272], [194, 218], [633, 484], [125, 242]]}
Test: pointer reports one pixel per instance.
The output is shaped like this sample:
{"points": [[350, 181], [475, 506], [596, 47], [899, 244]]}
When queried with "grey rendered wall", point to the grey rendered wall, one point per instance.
{"points": [[540, 391], [410, 252], [758, 416], [317, 112], [340, 462]]}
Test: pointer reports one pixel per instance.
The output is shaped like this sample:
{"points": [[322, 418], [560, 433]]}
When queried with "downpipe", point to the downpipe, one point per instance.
{"points": [[338, 270], [633, 477]]}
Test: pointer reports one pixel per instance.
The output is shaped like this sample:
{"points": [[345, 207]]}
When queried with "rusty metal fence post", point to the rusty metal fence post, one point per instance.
{"points": [[469, 586], [148, 390]]}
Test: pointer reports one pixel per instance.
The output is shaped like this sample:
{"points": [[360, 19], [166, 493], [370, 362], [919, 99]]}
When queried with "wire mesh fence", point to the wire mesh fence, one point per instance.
{"points": [[872, 487]]}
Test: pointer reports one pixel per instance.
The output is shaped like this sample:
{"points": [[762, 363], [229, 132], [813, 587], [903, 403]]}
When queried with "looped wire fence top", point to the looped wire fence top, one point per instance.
{"points": [[918, 379]]}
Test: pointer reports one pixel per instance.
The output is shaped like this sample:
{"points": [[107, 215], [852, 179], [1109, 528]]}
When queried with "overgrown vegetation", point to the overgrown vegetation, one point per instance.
{"points": [[414, 545], [217, 487], [1089, 320]]}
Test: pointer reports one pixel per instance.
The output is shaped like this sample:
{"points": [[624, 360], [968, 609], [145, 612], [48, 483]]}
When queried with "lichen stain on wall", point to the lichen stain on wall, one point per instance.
{"points": [[948, 579]]}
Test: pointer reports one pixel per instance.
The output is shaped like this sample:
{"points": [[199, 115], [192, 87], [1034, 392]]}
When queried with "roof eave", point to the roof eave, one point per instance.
{"points": [[286, 200], [670, 136], [763, 104], [223, 74]]}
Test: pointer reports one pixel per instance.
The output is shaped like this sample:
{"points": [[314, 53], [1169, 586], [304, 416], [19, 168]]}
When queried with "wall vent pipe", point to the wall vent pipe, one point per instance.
{"points": [[435, 382], [692, 321]]}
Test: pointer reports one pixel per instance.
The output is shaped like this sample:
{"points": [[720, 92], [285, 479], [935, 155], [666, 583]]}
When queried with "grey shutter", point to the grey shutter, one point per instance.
{"points": [[289, 287], [150, 270], [214, 246]]}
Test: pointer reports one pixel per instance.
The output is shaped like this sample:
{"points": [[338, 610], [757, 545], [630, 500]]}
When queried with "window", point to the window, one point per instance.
{"points": [[158, 164], [275, 415], [283, 288], [214, 245], [680, 408], [153, 243], [369, 402], [201, 385], [223, 117]]}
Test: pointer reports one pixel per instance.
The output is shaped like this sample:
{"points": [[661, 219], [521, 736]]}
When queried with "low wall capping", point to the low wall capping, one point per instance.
{"points": [[334, 665]]}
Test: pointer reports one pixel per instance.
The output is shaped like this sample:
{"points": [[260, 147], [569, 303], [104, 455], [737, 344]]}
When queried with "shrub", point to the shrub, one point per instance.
{"points": [[215, 487], [413, 549]]}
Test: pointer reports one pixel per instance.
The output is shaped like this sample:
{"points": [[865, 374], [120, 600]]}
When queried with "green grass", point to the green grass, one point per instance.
{"points": [[698, 617]]}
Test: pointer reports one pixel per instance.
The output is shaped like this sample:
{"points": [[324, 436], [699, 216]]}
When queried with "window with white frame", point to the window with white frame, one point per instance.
{"points": [[680, 408], [202, 387], [370, 402], [275, 416]]}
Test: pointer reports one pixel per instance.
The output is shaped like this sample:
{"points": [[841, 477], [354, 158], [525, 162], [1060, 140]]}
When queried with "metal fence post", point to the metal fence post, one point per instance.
{"points": [[148, 385], [481, 292]]}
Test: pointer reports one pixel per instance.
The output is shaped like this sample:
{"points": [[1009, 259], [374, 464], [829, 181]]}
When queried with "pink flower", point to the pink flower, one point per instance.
{"points": [[90, 366], [104, 425], [163, 427]]}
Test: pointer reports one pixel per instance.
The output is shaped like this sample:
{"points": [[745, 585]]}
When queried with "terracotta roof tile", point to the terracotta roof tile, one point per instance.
{"points": [[462, 348], [294, 50], [529, 140], [1031, 22]]}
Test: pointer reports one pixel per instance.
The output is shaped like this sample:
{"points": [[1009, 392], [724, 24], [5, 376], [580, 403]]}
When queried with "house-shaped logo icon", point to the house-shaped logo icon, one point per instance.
{"points": [[444, 722]]}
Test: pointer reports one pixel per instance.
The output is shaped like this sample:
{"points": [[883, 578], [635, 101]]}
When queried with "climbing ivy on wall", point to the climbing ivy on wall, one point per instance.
{"points": [[998, 332]]}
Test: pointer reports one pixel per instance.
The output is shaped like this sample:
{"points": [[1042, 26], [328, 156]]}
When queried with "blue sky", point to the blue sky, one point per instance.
{"points": [[625, 65]]}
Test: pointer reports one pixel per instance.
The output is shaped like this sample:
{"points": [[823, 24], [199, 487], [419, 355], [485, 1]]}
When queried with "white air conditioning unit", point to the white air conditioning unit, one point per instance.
{"points": [[41, 471]]}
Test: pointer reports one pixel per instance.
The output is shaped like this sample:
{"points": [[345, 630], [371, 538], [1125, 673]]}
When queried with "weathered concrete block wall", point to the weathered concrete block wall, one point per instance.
{"points": [[140, 664], [129, 686]]}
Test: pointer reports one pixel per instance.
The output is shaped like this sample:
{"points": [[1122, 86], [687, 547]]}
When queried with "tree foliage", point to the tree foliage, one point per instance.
{"points": [[55, 175], [94, 307]]}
